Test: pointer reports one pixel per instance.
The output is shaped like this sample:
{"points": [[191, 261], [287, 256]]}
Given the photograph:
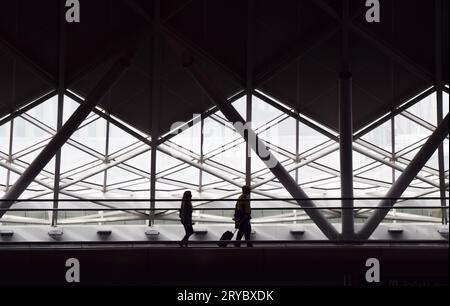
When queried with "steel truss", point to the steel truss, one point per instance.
{"points": [[263, 183], [72, 181]]}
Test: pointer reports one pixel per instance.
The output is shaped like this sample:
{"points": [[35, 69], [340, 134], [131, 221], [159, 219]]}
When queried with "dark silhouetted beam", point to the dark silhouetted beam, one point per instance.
{"points": [[194, 49], [394, 113], [60, 107], [259, 148], [27, 107], [439, 101], [382, 46], [346, 153], [346, 129], [155, 105], [106, 83], [249, 86], [406, 178], [13, 52]]}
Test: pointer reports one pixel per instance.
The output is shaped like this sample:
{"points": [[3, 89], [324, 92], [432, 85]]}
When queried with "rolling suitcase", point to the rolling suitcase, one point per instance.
{"points": [[226, 237]]}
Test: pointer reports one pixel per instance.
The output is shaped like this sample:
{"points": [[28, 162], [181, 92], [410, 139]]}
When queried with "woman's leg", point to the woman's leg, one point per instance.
{"points": [[189, 231], [240, 233], [186, 236]]}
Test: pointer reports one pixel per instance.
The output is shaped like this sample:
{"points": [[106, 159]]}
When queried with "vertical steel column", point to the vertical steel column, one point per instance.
{"points": [[200, 179], [416, 164], [346, 153], [249, 90], [392, 66], [71, 125], [393, 176], [60, 109], [200, 175], [297, 159], [202, 122], [297, 123], [10, 149], [346, 131], [439, 102], [11, 127], [105, 174], [297, 146], [13, 98], [297, 131], [155, 87], [108, 122], [393, 157]]}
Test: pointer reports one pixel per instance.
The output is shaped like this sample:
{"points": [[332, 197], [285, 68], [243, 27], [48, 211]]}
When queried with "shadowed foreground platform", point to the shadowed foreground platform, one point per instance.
{"points": [[320, 264]]}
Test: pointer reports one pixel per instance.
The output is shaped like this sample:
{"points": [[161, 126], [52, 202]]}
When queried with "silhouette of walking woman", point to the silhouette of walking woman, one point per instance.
{"points": [[186, 217], [242, 216]]}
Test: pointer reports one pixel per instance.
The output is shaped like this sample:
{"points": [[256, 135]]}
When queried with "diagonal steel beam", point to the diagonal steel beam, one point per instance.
{"points": [[160, 148], [313, 155], [111, 54], [405, 178], [294, 115], [103, 167], [132, 153], [398, 158], [257, 145], [356, 138], [395, 54], [15, 53], [42, 126], [164, 138], [298, 51], [50, 187], [258, 178], [238, 140], [203, 167], [391, 164], [283, 152], [394, 113], [419, 121], [66, 131], [304, 157], [48, 176], [195, 49], [382, 46], [28, 107]]}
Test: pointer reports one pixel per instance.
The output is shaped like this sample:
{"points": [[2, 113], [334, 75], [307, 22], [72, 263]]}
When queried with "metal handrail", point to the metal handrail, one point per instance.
{"points": [[227, 200], [222, 208]]}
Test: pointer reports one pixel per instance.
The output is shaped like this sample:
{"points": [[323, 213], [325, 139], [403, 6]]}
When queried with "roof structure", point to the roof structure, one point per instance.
{"points": [[296, 54], [148, 65]]}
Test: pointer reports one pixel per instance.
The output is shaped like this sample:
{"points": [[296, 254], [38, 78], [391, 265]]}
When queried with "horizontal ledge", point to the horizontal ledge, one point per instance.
{"points": [[225, 208], [256, 242]]}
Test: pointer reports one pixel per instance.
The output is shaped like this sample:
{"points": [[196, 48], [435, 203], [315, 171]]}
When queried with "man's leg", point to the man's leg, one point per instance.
{"points": [[239, 235], [248, 231]]}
